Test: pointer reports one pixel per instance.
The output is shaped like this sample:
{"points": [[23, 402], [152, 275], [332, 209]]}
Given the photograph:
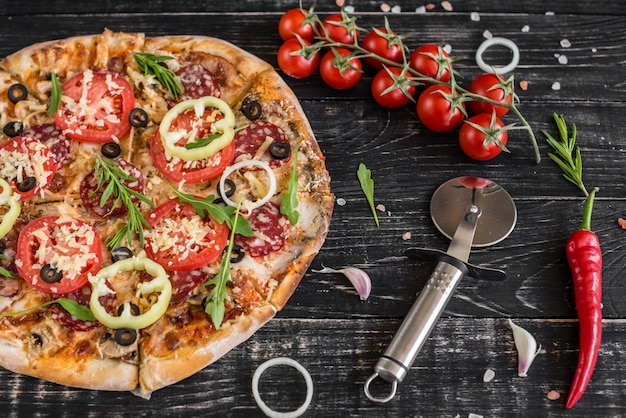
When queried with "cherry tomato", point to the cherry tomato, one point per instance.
{"points": [[68, 249], [101, 103], [472, 140], [296, 66], [180, 239], [424, 60], [339, 33], [333, 77], [35, 161], [435, 110], [190, 171], [293, 22], [486, 85], [379, 45], [396, 97]]}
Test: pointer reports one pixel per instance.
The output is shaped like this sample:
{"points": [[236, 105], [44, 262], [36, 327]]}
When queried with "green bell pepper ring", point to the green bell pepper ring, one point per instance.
{"points": [[159, 284], [225, 127]]}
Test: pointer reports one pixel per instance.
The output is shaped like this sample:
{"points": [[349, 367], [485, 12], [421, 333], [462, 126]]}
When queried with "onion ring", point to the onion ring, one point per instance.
{"points": [[497, 41], [276, 362], [257, 203]]}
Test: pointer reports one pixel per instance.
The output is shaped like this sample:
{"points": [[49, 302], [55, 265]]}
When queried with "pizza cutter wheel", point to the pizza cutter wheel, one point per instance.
{"points": [[472, 212]]}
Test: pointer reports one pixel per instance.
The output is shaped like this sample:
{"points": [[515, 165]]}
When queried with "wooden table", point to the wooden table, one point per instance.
{"points": [[325, 326]]}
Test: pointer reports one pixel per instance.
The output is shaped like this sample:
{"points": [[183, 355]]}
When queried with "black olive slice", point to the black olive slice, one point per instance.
{"points": [[138, 118], [17, 92], [49, 274], [237, 254], [27, 184], [251, 109], [2, 247], [121, 253], [13, 129], [125, 336], [229, 187], [134, 309], [280, 150], [111, 150]]}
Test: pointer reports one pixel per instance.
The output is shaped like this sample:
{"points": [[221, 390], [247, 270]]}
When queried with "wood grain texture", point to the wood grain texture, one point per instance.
{"points": [[325, 326]]}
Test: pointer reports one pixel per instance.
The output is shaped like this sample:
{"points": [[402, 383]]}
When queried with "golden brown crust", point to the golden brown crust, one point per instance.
{"points": [[157, 372], [232, 66]]}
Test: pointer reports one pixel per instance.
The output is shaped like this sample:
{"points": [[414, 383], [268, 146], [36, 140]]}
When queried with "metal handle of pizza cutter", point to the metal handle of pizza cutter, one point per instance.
{"points": [[408, 341]]}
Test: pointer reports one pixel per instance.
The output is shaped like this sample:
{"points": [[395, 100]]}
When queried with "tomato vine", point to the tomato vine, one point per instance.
{"points": [[341, 32]]}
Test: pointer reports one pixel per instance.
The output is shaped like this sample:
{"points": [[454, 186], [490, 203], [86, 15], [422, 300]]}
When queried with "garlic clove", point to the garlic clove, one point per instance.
{"points": [[526, 348]]}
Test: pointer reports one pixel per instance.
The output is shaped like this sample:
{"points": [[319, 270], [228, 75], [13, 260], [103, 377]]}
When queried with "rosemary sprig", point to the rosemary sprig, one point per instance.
{"points": [[108, 173], [150, 65], [567, 153]]}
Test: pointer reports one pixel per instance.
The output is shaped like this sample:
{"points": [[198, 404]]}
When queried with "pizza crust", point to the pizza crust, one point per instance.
{"points": [[89, 373], [158, 372]]}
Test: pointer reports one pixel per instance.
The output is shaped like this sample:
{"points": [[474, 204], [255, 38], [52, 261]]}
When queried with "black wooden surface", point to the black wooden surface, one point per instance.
{"points": [[325, 326]]}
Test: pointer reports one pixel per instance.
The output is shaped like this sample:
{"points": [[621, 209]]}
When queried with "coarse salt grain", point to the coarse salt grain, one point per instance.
{"points": [[396, 9], [549, 13], [553, 395], [489, 375], [385, 7], [475, 17], [622, 222], [487, 35], [406, 236], [446, 6], [340, 2], [565, 43], [349, 9], [523, 85], [525, 28], [341, 201], [556, 86], [430, 6], [447, 48], [420, 10], [381, 207], [562, 59]]}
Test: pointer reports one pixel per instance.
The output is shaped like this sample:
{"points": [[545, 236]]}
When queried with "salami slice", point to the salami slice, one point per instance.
{"points": [[249, 141], [91, 194], [81, 296], [184, 282], [198, 82], [270, 229], [51, 135]]}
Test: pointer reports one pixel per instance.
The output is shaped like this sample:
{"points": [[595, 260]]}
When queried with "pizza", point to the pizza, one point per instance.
{"points": [[161, 199]]}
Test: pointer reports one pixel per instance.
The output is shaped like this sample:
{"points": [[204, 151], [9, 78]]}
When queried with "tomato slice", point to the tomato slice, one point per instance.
{"points": [[95, 107], [71, 246], [23, 159], [176, 169], [180, 239]]}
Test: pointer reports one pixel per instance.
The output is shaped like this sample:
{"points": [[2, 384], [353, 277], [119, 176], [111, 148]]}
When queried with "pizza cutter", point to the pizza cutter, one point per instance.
{"points": [[472, 212]]}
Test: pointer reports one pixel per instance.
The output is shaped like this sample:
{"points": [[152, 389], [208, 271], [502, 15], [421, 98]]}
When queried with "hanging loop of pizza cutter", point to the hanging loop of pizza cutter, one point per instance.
{"points": [[472, 212]]}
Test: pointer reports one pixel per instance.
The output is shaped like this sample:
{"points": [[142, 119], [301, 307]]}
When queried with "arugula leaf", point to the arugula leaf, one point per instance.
{"points": [[150, 65], [220, 213], [289, 201], [214, 306], [74, 308], [367, 185], [55, 95], [202, 142], [4, 272]]}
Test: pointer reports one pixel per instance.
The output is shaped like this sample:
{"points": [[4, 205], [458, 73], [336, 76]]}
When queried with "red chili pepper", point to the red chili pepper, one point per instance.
{"points": [[585, 260]]}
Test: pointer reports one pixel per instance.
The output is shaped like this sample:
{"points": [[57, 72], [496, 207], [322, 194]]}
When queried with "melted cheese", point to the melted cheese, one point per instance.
{"points": [[27, 161]]}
